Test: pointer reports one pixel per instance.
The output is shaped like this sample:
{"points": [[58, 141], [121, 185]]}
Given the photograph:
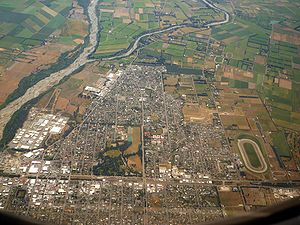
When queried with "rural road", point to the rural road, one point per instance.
{"points": [[45, 84]]}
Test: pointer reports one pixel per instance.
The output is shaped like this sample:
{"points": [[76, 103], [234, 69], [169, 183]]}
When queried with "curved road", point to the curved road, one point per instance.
{"points": [[263, 168], [45, 84]]}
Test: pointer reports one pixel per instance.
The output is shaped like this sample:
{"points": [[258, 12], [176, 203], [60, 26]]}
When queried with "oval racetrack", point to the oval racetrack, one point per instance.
{"points": [[263, 165]]}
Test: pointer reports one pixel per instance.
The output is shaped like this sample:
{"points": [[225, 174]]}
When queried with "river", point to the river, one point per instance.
{"points": [[133, 47], [45, 84]]}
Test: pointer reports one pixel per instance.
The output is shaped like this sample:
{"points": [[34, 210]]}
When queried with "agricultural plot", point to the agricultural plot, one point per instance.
{"points": [[256, 43], [26, 24], [281, 82], [123, 21], [280, 144], [187, 50]]}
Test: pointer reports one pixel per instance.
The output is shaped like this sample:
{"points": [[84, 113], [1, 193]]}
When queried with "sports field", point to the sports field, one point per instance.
{"points": [[252, 156]]}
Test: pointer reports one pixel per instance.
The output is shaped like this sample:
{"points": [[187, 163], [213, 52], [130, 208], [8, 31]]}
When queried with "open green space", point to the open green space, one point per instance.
{"points": [[27, 23], [252, 156], [280, 144]]}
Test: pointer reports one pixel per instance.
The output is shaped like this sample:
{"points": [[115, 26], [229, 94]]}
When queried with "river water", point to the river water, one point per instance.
{"points": [[45, 84]]}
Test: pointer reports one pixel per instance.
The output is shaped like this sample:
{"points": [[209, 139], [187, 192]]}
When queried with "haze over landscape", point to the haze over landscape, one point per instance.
{"points": [[148, 111]]}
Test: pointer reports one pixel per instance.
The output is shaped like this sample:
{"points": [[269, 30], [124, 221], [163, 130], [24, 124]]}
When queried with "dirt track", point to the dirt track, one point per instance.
{"points": [[263, 168]]}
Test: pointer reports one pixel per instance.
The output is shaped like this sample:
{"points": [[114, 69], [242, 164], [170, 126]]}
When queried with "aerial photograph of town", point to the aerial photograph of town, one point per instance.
{"points": [[165, 112]]}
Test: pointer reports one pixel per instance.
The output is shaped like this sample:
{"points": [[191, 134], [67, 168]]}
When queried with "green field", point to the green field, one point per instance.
{"points": [[251, 46], [26, 23], [252, 156], [280, 144], [122, 23]]}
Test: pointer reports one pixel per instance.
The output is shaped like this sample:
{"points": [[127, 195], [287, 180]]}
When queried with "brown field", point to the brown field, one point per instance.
{"points": [[137, 17], [260, 60], [170, 89], [232, 211], [82, 110], [197, 114], [107, 10], [61, 104], [254, 196], [150, 4], [209, 63], [105, 51], [44, 55], [78, 41], [203, 33], [293, 37], [25, 60], [136, 141], [240, 121], [71, 109], [105, 3], [231, 39], [230, 198], [121, 12], [171, 80], [236, 73], [186, 30], [190, 60], [135, 163], [287, 84], [126, 20], [50, 11], [251, 85]]}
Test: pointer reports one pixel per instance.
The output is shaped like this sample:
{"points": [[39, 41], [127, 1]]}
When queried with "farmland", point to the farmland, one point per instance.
{"points": [[259, 76], [174, 112], [268, 49], [123, 21], [33, 35], [29, 32], [29, 23]]}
